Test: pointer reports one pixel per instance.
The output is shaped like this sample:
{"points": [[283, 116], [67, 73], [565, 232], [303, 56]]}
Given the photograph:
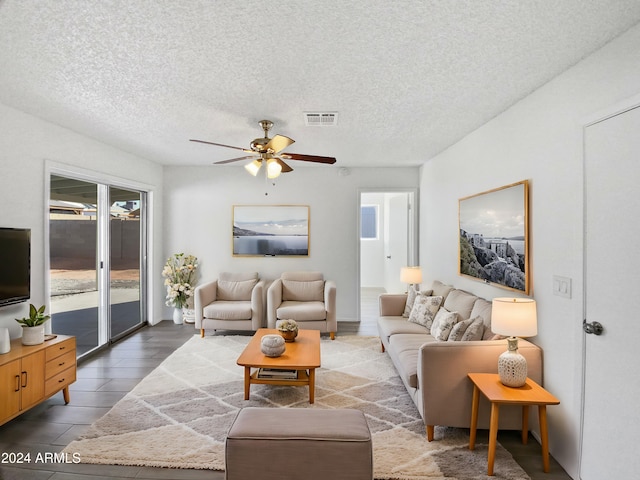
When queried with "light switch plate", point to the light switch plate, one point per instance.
{"points": [[562, 286]]}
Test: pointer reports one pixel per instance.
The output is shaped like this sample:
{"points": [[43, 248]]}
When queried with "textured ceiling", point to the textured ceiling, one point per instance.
{"points": [[408, 78]]}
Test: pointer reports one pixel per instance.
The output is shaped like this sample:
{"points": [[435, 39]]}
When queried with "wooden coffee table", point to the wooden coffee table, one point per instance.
{"points": [[303, 355]]}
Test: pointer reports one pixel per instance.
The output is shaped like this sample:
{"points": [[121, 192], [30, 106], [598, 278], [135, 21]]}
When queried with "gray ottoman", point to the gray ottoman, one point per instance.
{"points": [[296, 443]]}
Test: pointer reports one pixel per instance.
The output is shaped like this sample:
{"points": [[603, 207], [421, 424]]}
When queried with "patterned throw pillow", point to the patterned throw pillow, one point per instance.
{"points": [[424, 310], [411, 298], [443, 324], [458, 330], [475, 331]]}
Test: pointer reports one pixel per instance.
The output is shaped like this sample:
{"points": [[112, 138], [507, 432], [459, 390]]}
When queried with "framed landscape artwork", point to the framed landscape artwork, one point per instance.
{"points": [[270, 230], [494, 237]]}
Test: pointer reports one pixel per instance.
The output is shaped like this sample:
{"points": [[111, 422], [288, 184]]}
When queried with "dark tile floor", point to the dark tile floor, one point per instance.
{"points": [[108, 375]]}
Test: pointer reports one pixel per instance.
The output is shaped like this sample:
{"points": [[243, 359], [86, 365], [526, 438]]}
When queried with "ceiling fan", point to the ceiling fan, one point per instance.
{"points": [[267, 151]]}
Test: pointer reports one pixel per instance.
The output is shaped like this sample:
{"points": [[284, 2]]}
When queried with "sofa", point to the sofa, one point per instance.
{"points": [[434, 368]]}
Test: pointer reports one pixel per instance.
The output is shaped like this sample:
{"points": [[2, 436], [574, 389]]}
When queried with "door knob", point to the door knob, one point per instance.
{"points": [[594, 328]]}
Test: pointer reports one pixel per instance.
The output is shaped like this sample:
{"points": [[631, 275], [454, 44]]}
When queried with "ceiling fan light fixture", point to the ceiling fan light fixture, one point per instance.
{"points": [[273, 168], [254, 167]]}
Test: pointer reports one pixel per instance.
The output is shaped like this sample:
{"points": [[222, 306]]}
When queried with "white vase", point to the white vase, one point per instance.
{"points": [[5, 340], [33, 335], [177, 316]]}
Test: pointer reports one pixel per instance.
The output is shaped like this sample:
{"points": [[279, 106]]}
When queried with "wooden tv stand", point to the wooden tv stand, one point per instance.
{"points": [[31, 374]]}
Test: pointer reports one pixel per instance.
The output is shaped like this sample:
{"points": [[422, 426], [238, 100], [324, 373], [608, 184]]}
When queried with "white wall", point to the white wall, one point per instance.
{"points": [[539, 139], [26, 143], [198, 217]]}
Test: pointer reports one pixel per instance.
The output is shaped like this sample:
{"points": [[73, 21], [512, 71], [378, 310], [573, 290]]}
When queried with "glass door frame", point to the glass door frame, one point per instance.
{"points": [[142, 262], [103, 183]]}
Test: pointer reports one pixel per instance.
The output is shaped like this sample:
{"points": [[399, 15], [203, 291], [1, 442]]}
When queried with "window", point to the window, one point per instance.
{"points": [[369, 222]]}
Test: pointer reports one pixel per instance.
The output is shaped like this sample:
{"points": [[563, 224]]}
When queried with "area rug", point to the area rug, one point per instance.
{"points": [[178, 416]]}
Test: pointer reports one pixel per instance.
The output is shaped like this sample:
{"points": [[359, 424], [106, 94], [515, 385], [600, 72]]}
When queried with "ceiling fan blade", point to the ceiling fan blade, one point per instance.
{"points": [[248, 157], [220, 145], [278, 143], [309, 158], [285, 168]]}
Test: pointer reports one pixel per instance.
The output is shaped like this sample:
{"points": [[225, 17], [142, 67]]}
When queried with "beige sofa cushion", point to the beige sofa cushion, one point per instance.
{"points": [[236, 286], [312, 291], [301, 311], [235, 291], [461, 302], [439, 289], [405, 348], [388, 326], [225, 310]]}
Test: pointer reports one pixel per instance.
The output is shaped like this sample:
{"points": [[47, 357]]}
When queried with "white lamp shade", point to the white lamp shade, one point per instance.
{"points": [[253, 167], [515, 317], [411, 275], [273, 168]]}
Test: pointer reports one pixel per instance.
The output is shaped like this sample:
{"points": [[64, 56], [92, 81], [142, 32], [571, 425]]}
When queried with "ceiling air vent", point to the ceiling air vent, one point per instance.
{"points": [[320, 119]]}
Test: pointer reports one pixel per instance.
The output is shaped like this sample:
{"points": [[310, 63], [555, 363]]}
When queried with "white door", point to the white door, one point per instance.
{"points": [[396, 240], [611, 420]]}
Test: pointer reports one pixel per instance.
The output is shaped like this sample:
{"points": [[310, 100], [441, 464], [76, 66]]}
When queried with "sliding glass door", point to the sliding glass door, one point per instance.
{"points": [[73, 261], [126, 230], [97, 253]]}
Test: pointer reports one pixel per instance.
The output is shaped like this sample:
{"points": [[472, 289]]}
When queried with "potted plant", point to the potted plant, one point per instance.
{"points": [[33, 326], [180, 273], [288, 329]]}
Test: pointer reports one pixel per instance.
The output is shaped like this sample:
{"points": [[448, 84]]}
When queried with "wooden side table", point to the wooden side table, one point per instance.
{"points": [[498, 394]]}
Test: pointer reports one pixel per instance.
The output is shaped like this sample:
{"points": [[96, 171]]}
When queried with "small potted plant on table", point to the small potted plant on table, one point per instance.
{"points": [[33, 326], [288, 329]]}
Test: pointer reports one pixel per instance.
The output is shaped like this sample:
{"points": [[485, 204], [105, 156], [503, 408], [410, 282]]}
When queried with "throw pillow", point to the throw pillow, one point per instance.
{"points": [[458, 330], [475, 331], [443, 324], [411, 298], [235, 291], [424, 310], [312, 291]]}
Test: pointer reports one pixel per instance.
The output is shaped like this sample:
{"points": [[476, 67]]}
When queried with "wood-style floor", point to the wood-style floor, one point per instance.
{"points": [[107, 376]]}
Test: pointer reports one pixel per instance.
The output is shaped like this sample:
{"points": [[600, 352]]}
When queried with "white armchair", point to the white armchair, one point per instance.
{"points": [[304, 297], [233, 302]]}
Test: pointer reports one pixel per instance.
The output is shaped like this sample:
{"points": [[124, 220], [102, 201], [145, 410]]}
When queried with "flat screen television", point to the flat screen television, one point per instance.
{"points": [[15, 265]]}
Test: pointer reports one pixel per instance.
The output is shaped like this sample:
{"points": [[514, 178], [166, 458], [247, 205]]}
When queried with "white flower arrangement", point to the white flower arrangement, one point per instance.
{"points": [[287, 325], [180, 273]]}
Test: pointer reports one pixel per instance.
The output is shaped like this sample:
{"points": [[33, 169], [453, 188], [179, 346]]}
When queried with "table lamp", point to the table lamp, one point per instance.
{"points": [[515, 317], [411, 275]]}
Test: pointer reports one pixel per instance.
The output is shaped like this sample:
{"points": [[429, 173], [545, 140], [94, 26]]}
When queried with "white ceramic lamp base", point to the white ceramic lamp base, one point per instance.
{"points": [[512, 367]]}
